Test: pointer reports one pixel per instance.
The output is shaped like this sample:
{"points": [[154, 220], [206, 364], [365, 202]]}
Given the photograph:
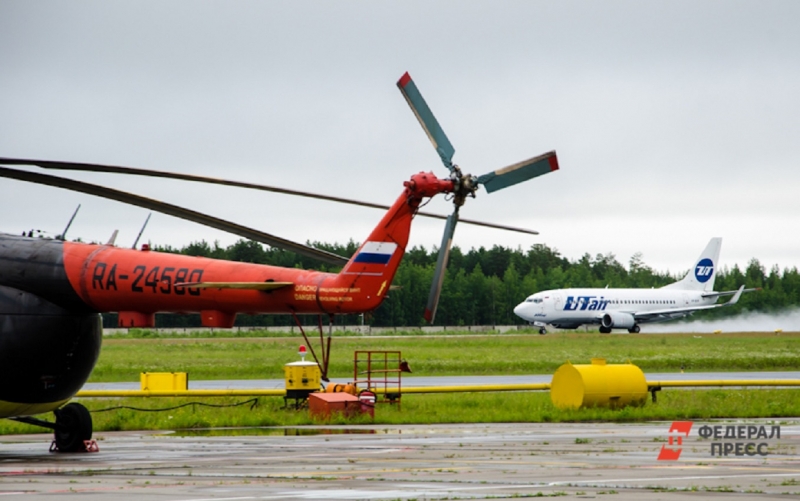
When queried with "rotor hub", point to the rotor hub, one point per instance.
{"points": [[463, 186]]}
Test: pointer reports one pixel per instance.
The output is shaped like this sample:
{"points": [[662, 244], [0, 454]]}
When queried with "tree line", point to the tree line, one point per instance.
{"points": [[482, 286]]}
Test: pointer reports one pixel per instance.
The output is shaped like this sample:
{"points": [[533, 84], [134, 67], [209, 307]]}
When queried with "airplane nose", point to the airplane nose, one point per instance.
{"points": [[519, 311]]}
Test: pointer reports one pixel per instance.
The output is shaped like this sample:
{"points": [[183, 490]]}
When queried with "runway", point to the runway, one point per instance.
{"points": [[456, 380], [585, 461]]}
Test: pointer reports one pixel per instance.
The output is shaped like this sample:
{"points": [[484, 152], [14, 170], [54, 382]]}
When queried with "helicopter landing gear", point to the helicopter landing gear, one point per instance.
{"points": [[635, 329], [73, 429], [324, 349]]}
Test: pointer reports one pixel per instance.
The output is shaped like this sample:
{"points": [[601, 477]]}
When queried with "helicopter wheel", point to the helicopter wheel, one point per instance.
{"points": [[73, 426]]}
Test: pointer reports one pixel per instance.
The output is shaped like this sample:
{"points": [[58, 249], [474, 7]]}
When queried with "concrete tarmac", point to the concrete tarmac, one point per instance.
{"points": [[576, 461]]}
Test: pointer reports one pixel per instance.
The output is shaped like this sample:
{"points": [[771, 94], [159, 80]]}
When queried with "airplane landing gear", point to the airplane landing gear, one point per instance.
{"points": [[542, 331], [605, 330], [73, 428], [635, 329]]}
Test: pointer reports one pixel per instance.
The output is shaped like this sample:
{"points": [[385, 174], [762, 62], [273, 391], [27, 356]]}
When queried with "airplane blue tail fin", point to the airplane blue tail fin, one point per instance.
{"points": [[701, 276]]}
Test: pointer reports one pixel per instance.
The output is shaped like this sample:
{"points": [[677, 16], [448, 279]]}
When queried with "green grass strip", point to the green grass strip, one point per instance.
{"points": [[123, 359], [502, 407]]}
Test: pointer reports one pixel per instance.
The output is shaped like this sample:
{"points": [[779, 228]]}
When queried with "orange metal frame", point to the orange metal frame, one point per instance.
{"points": [[380, 371]]}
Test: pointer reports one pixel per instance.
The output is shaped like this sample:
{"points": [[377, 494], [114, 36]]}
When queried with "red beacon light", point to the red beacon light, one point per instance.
{"points": [[302, 353]]}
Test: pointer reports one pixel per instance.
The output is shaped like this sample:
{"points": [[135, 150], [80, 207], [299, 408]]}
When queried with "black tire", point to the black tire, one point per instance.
{"points": [[542, 331], [74, 425], [635, 329], [605, 330]]}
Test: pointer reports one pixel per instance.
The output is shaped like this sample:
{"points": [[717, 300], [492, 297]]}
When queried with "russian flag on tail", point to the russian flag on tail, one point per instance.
{"points": [[376, 253]]}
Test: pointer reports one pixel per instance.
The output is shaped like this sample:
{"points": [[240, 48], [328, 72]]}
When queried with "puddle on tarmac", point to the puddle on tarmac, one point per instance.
{"points": [[297, 431], [277, 432]]}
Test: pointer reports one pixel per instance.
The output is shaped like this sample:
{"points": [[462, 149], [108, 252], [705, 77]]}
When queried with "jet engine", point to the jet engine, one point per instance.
{"points": [[617, 320]]}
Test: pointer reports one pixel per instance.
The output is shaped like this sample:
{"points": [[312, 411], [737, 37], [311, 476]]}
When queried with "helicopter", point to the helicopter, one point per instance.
{"points": [[52, 291]]}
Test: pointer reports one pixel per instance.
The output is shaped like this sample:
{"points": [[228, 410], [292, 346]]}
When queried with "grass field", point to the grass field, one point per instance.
{"points": [[123, 359]]}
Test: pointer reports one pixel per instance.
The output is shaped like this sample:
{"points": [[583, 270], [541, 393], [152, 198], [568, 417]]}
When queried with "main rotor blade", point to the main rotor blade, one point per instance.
{"points": [[48, 164], [427, 120], [519, 172], [114, 169], [480, 223], [441, 267], [174, 210]]}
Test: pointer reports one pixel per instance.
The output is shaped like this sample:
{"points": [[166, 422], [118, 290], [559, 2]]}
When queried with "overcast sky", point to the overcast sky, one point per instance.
{"points": [[674, 122]]}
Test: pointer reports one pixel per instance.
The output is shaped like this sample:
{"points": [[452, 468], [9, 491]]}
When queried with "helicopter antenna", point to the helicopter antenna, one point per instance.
{"points": [[63, 235], [113, 239], [135, 242]]}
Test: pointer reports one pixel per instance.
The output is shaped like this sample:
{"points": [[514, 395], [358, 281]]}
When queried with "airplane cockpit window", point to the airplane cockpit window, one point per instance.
{"points": [[536, 300]]}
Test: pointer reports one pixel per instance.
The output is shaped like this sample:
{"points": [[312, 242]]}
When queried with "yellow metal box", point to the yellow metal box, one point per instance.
{"points": [[164, 381], [302, 376]]}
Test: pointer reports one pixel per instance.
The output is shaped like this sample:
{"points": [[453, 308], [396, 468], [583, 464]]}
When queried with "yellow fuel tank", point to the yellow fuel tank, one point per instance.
{"points": [[598, 385]]}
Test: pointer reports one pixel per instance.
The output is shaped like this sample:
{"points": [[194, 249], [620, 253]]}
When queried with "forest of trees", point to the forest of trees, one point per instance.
{"points": [[482, 286]]}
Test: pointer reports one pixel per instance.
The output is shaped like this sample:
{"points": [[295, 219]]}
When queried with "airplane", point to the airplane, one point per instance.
{"points": [[52, 292], [627, 308]]}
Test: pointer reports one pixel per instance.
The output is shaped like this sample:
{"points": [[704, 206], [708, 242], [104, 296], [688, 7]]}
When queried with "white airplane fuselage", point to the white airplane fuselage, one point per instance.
{"points": [[570, 308], [627, 308]]}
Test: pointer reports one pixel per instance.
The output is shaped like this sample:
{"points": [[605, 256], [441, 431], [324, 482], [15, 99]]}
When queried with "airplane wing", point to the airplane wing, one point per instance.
{"points": [[259, 286], [669, 313], [728, 293]]}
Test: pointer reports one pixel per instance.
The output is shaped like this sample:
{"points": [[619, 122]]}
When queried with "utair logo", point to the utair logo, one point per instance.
{"points": [[704, 270], [586, 303]]}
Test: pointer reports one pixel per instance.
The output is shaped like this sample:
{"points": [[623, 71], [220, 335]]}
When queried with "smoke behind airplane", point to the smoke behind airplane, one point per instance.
{"points": [[788, 320]]}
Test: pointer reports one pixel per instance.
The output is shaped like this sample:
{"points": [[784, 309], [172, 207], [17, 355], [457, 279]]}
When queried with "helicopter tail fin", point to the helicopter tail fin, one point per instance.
{"points": [[370, 271]]}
